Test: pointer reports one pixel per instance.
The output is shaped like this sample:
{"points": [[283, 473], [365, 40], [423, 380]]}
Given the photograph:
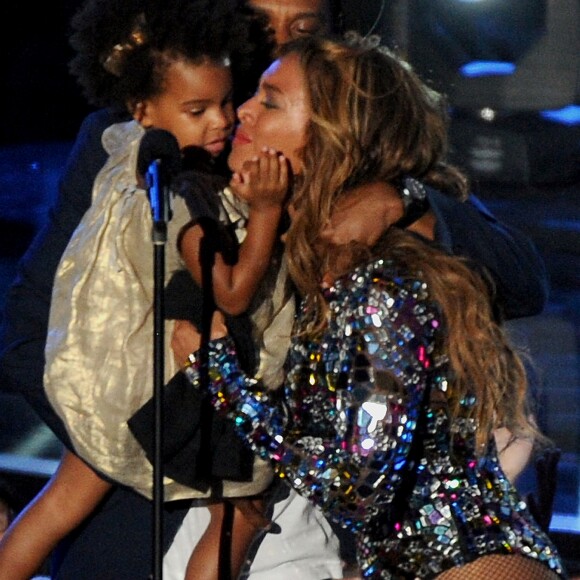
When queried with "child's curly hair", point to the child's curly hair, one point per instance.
{"points": [[123, 46]]}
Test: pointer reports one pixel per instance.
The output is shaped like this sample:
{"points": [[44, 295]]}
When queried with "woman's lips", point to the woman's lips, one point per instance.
{"points": [[240, 138]]}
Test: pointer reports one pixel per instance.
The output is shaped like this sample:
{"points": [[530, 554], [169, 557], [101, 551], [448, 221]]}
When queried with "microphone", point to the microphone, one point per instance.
{"points": [[159, 160]]}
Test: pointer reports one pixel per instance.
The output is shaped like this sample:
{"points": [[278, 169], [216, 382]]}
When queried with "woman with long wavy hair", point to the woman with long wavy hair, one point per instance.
{"points": [[399, 373]]}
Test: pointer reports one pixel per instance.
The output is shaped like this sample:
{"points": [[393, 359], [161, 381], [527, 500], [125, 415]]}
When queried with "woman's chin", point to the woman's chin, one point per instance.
{"points": [[235, 163]]}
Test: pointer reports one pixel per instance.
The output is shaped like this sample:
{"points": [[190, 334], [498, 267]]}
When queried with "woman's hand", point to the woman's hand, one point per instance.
{"points": [[187, 339]]}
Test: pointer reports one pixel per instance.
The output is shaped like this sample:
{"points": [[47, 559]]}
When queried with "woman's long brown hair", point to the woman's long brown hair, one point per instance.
{"points": [[484, 363], [373, 119]]}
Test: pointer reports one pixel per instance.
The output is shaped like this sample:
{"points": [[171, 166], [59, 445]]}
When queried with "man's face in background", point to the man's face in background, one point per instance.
{"points": [[291, 19]]}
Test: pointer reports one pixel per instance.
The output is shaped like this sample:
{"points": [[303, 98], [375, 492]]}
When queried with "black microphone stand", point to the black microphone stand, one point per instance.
{"points": [[159, 197], [208, 250]]}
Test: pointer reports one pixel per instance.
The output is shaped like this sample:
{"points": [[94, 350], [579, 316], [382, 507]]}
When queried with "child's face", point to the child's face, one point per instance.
{"points": [[196, 106]]}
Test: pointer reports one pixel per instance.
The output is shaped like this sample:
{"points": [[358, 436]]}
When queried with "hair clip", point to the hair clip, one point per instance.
{"points": [[354, 39], [115, 60]]}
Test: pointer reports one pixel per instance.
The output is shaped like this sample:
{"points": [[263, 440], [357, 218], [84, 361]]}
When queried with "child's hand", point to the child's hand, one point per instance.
{"points": [[263, 181]]}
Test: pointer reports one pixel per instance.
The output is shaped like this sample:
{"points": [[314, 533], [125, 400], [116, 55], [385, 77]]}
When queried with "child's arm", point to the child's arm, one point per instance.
{"points": [[65, 501], [263, 183]]}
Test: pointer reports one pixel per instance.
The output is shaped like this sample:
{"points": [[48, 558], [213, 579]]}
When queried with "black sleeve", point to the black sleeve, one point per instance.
{"points": [[517, 270], [26, 311], [183, 297]]}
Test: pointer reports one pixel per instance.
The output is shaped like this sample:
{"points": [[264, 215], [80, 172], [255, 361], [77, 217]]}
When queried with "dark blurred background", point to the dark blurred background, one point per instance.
{"points": [[511, 71], [41, 102]]}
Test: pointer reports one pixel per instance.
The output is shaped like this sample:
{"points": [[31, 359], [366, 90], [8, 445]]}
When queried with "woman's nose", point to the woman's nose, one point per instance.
{"points": [[244, 111]]}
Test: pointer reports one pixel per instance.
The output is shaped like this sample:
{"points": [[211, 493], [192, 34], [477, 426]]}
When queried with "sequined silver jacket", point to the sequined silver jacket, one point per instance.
{"points": [[362, 430]]}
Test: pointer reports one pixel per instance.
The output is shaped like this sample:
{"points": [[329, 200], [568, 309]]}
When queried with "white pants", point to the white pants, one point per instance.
{"points": [[306, 548]]}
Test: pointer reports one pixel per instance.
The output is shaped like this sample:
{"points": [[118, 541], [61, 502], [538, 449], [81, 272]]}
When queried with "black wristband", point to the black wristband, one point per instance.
{"points": [[415, 201]]}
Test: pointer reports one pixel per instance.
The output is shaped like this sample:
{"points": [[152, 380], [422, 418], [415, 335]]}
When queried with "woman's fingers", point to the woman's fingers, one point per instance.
{"points": [[218, 325], [184, 340]]}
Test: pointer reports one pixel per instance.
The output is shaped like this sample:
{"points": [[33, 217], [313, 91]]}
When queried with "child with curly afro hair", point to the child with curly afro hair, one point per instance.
{"points": [[180, 66]]}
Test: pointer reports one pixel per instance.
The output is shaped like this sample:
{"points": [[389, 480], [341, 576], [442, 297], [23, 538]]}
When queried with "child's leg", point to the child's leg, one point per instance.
{"points": [[247, 521], [65, 501]]}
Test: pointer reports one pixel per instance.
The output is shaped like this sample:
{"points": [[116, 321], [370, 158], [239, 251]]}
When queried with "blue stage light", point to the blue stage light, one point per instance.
{"points": [[484, 68], [569, 115]]}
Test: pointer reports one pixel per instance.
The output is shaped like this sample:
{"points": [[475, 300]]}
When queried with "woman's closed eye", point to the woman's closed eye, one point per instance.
{"points": [[268, 104]]}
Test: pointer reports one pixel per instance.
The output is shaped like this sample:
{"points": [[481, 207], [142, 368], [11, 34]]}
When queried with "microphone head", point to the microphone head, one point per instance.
{"points": [[162, 145]]}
